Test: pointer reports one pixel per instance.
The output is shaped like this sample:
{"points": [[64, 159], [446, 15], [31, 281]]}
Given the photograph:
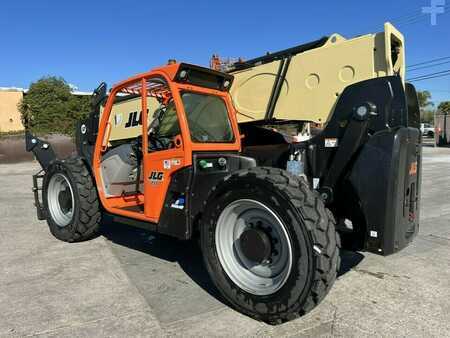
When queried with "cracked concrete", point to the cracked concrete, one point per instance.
{"points": [[129, 282]]}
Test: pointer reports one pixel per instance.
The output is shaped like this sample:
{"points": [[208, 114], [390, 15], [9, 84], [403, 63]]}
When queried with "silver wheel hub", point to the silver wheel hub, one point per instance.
{"points": [[60, 200], [253, 247]]}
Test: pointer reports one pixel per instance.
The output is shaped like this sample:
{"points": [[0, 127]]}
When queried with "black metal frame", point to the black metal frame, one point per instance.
{"points": [[386, 128], [41, 214], [203, 77], [283, 54], [42, 150]]}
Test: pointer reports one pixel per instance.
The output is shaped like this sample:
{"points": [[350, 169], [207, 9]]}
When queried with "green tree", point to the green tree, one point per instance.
{"points": [[444, 107], [424, 99], [50, 107], [426, 106], [427, 116]]}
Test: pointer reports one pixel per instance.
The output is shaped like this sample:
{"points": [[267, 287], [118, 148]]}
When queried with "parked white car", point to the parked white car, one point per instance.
{"points": [[427, 129]]}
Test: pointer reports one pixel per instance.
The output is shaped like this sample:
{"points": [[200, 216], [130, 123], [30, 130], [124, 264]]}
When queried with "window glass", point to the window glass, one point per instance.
{"points": [[207, 116], [168, 126]]}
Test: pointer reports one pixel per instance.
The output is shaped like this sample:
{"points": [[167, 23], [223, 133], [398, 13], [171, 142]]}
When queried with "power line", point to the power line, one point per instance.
{"points": [[402, 17], [429, 66], [415, 16], [427, 62], [420, 18], [431, 74], [408, 14], [408, 19], [428, 77]]}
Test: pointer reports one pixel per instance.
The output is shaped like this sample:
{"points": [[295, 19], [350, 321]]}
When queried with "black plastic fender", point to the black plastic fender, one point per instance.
{"points": [[387, 180]]}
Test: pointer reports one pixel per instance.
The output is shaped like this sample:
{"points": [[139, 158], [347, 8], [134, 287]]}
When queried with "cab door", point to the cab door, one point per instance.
{"points": [[165, 151]]}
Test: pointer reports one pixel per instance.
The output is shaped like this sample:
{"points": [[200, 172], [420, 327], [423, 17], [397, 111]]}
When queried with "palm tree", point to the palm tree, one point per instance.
{"points": [[424, 99]]}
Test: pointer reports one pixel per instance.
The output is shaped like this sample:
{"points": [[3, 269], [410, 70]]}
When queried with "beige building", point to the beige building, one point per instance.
{"points": [[9, 113]]}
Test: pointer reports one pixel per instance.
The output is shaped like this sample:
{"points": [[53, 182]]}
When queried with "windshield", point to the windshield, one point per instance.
{"points": [[207, 116]]}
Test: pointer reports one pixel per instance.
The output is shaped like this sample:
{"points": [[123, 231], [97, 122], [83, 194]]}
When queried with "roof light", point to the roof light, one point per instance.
{"points": [[183, 74]]}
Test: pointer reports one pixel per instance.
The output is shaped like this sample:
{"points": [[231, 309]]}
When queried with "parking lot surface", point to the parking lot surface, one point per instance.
{"points": [[130, 282]]}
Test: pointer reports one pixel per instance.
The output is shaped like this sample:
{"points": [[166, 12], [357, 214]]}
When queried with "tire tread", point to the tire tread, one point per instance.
{"points": [[87, 224], [320, 224]]}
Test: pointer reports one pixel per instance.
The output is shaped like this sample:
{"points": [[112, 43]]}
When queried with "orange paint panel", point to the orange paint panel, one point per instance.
{"points": [[159, 166]]}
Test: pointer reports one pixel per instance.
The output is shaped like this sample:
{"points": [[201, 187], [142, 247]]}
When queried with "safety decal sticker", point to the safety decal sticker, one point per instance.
{"points": [[179, 203], [118, 119], [331, 142], [166, 164], [175, 161]]}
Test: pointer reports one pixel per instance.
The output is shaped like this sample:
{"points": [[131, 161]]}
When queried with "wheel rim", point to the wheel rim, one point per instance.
{"points": [[258, 278], [60, 200]]}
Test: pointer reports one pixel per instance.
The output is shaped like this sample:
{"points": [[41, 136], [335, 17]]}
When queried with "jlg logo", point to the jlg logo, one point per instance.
{"points": [[134, 119], [156, 176]]}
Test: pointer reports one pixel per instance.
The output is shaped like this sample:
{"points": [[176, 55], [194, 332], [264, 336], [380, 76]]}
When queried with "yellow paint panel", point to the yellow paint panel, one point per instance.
{"points": [[120, 115], [316, 78], [251, 90]]}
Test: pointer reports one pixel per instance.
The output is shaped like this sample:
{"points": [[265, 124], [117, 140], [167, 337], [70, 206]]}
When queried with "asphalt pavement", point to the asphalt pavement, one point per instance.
{"points": [[130, 282]]}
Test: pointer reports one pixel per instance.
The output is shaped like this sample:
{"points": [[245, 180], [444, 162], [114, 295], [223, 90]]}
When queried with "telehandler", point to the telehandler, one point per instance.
{"points": [[268, 165]]}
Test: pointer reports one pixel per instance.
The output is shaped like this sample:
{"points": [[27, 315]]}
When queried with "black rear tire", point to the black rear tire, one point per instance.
{"points": [[83, 221], [311, 230]]}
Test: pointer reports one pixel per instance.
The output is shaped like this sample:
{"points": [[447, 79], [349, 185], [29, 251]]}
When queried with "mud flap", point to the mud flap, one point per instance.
{"points": [[387, 179]]}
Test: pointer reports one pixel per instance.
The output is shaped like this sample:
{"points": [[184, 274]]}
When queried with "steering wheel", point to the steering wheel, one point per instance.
{"points": [[156, 142]]}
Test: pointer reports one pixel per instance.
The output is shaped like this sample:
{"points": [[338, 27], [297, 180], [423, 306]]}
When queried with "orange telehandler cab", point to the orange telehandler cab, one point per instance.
{"points": [[164, 155], [164, 151]]}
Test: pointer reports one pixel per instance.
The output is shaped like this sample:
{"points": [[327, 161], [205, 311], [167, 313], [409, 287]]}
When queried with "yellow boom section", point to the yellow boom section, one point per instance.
{"points": [[315, 78]]}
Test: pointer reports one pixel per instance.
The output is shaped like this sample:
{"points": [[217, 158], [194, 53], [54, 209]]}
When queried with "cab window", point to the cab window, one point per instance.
{"points": [[169, 126], [207, 117]]}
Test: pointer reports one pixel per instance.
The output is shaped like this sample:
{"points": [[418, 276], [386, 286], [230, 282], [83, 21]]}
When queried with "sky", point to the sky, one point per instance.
{"points": [[87, 42]]}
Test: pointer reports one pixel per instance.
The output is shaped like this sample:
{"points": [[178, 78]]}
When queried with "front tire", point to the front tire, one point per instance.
{"points": [[293, 256], [71, 201]]}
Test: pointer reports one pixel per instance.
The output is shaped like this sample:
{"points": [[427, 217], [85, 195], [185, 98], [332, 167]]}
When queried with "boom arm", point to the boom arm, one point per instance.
{"points": [[304, 82]]}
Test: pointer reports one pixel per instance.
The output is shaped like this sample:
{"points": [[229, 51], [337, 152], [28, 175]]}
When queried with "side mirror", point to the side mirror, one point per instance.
{"points": [[99, 95]]}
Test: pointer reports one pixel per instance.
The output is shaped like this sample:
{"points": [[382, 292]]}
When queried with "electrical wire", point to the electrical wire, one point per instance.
{"points": [[412, 17], [409, 13], [431, 74], [428, 62], [428, 78], [430, 66], [421, 17]]}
